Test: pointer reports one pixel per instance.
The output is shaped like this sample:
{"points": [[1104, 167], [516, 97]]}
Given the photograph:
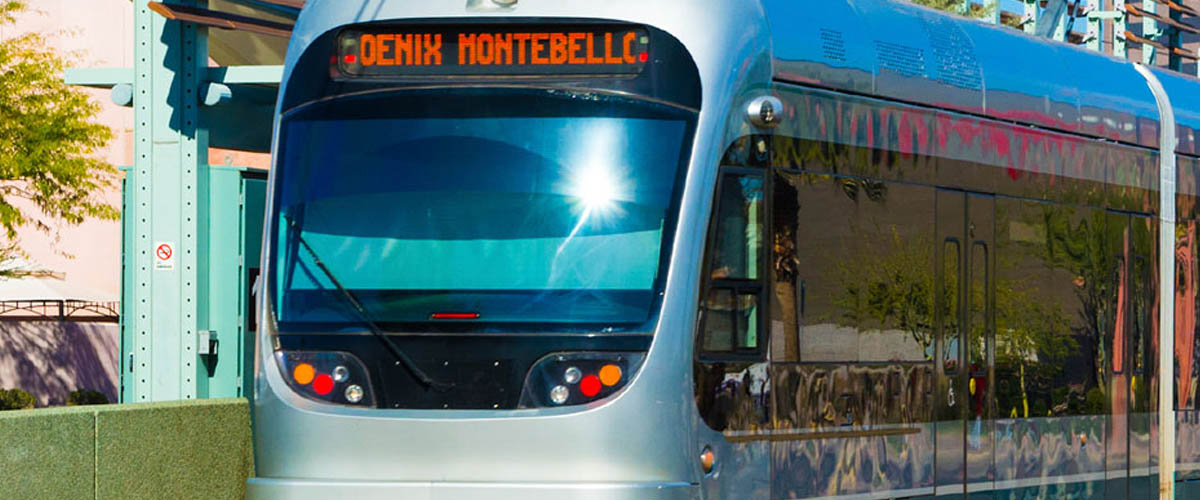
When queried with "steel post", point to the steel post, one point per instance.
{"points": [[1120, 45], [1095, 26], [1029, 21], [164, 210], [1149, 32]]}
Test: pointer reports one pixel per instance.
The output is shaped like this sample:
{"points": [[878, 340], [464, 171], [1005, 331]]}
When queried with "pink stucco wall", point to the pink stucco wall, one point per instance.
{"points": [[97, 33], [49, 359]]}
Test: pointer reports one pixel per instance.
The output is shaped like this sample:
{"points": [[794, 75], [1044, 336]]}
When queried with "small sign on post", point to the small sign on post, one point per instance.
{"points": [[164, 256]]}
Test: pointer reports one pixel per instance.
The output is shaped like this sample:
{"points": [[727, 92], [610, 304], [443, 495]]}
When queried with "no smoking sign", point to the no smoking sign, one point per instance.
{"points": [[164, 256]]}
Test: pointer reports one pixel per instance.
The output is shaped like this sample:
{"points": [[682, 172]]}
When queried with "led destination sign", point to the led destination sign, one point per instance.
{"points": [[492, 51]]}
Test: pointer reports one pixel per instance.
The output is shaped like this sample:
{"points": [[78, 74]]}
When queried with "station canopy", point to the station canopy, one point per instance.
{"points": [[241, 45]]}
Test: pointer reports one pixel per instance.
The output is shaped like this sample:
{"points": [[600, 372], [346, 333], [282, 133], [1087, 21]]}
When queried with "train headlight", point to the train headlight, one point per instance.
{"points": [[354, 393], [559, 394], [328, 377], [340, 373], [572, 375], [565, 379]]}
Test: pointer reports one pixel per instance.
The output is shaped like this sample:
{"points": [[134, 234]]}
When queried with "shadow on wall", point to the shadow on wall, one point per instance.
{"points": [[49, 359]]}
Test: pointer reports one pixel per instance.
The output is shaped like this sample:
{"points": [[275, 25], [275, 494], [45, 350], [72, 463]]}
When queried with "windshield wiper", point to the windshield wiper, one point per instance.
{"points": [[363, 316]]}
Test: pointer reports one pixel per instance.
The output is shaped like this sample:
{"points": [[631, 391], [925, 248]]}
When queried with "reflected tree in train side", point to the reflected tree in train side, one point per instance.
{"points": [[852, 193]]}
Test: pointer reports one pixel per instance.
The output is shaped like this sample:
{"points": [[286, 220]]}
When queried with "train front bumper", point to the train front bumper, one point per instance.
{"points": [[271, 489]]}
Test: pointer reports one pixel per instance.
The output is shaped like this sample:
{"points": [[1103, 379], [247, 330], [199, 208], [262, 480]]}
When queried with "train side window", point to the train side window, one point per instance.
{"points": [[747, 321], [731, 304], [853, 268], [719, 321], [950, 295], [732, 322], [738, 245]]}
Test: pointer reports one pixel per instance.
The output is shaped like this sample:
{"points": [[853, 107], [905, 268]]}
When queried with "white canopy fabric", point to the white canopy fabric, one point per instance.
{"points": [[41, 288], [39, 284]]}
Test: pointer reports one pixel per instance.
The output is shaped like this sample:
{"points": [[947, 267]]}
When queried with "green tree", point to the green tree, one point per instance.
{"points": [[48, 141], [83, 397], [977, 10], [947, 5], [16, 399]]}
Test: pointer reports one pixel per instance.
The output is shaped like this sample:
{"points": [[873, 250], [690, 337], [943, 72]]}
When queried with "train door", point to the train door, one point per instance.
{"points": [[1128, 432], [965, 231]]}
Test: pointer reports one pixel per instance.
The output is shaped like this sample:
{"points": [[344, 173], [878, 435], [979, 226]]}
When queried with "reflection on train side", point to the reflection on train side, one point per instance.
{"points": [[954, 305]]}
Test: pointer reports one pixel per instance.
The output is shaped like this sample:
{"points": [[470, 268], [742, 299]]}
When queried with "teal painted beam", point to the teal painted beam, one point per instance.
{"points": [[245, 75], [228, 75], [98, 77]]}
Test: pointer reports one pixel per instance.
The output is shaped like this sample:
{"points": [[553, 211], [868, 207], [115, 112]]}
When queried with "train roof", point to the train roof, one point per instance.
{"points": [[1184, 92], [885, 48], [909, 53]]}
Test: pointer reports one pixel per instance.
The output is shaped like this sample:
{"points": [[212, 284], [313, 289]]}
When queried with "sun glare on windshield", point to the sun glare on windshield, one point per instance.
{"points": [[596, 188]]}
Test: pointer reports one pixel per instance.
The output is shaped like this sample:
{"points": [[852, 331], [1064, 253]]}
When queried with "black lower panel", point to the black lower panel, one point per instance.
{"points": [[487, 372]]}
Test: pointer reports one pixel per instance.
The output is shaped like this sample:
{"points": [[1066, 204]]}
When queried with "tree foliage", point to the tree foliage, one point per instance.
{"points": [[16, 399], [82, 397], [947, 5], [956, 6], [49, 140]]}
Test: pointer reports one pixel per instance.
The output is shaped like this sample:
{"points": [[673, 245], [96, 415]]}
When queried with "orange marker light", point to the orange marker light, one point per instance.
{"points": [[707, 459], [303, 373], [610, 374]]}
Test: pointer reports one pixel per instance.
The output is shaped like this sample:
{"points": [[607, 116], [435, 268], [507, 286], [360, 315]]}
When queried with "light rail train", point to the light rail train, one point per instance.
{"points": [[720, 249]]}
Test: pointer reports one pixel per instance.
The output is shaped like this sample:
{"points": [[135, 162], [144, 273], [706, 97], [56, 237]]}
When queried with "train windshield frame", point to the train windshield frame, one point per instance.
{"points": [[426, 204]]}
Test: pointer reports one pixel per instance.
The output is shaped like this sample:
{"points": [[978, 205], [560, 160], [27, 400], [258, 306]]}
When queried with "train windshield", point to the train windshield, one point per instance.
{"points": [[473, 211]]}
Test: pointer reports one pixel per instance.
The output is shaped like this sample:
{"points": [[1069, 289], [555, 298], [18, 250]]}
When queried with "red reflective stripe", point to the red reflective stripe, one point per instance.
{"points": [[455, 316]]}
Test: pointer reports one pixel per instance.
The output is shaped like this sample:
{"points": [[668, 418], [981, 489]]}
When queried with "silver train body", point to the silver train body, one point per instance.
{"points": [[976, 123]]}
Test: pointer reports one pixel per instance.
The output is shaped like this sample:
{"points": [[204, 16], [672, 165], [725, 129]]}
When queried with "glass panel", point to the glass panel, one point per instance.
{"points": [[739, 228], [1054, 293], [1186, 303], [747, 316], [787, 287], [531, 211], [950, 296], [977, 351], [854, 263], [719, 321]]}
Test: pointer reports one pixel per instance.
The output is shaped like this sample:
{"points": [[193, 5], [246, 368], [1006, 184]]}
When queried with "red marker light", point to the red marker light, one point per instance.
{"points": [[589, 386], [644, 56], [454, 316], [351, 58], [323, 384]]}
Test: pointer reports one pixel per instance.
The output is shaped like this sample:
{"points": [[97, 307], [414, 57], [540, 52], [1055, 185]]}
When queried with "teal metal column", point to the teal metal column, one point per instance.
{"points": [[1029, 20], [1175, 40], [1150, 31], [1095, 26], [1120, 44], [170, 168], [1062, 26]]}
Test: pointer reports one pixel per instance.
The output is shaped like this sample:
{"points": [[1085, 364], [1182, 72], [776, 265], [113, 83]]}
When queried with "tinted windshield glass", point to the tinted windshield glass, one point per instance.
{"points": [[518, 212]]}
